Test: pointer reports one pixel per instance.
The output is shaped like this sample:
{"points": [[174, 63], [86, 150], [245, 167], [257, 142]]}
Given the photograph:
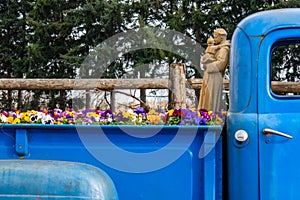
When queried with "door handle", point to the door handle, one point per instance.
{"points": [[267, 131]]}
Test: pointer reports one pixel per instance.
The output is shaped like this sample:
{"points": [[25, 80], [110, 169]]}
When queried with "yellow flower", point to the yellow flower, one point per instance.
{"points": [[128, 115], [25, 116], [153, 112], [60, 120], [10, 119], [16, 121], [71, 113], [125, 114], [57, 121], [170, 112], [33, 112], [140, 117], [219, 120], [92, 114], [155, 119]]}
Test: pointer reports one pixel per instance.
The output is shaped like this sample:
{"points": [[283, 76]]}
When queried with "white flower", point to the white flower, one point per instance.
{"points": [[47, 119], [3, 118], [109, 119], [40, 115]]}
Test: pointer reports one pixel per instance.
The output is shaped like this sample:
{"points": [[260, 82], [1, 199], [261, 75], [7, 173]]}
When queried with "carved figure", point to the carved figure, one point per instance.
{"points": [[215, 62]]}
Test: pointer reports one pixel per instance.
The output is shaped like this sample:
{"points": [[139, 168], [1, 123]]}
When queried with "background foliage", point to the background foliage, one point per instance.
{"points": [[51, 38]]}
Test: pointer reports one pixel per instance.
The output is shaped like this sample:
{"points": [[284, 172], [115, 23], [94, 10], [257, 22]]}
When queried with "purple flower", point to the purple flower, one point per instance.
{"points": [[189, 113], [204, 114], [79, 115], [69, 117], [93, 119], [185, 122], [57, 110], [51, 112], [200, 121], [203, 111], [107, 113], [213, 116], [120, 118], [87, 111], [139, 110]]}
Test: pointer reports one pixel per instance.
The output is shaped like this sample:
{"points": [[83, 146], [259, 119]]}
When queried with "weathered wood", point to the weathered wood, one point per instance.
{"points": [[110, 84], [82, 84], [285, 87], [113, 101], [195, 83], [177, 85]]}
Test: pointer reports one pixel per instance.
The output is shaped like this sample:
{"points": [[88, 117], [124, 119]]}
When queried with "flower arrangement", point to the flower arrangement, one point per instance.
{"points": [[130, 117]]}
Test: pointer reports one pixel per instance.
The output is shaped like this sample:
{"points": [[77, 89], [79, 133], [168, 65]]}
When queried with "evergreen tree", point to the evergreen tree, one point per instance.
{"points": [[13, 42], [49, 39], [52, 38]]}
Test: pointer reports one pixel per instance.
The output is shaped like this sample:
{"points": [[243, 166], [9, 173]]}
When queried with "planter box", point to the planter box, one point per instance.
{"points": [[143, 162]]}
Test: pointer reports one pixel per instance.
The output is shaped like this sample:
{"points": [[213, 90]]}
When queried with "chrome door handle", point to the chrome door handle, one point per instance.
{"points": [[267, 131]]}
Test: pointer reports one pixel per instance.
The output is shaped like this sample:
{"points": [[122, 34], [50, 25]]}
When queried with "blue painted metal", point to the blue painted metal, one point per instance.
{"points": [[264, 167], [262, 23], [195, 175], [24, 179], [21, 142], [212, 167], [279, 163]]}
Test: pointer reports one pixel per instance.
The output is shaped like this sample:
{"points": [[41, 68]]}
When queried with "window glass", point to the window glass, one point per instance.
{"points": [[285, 68]]}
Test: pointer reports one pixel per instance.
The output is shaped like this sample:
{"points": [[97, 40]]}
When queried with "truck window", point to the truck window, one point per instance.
{"points": [[285, 67]]}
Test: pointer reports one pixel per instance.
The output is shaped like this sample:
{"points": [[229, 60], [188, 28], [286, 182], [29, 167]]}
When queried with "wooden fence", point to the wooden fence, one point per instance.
{"points": [[176, 84]]}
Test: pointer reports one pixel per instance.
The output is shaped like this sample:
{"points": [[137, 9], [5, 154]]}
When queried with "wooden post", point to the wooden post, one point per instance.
{"points": [[113, 101], [87, 99], [143, 95], [177, 83]]}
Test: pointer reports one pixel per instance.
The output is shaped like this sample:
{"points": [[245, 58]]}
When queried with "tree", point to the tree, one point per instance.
{"points": [[52, 38], [12, 45]]}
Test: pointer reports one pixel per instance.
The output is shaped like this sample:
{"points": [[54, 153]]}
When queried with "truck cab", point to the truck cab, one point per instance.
{"points": [[264, 122]]}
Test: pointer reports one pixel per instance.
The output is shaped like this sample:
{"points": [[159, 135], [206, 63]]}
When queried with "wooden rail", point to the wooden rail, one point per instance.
{"points": [[176, 84], [285, 87], [110, 84], [90, 84], [82, 84]]}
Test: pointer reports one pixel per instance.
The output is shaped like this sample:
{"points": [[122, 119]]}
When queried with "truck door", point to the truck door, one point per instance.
{"points": [[279, 115]]}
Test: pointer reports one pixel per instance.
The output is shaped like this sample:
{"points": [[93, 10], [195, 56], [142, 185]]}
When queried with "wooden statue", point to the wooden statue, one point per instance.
{"points": [[215, 62]]}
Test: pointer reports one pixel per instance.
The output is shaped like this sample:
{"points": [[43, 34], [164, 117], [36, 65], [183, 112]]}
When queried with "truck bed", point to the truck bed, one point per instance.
{"points": [[144, 162]]}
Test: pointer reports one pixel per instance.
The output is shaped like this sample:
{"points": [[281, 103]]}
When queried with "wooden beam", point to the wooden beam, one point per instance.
{"points": [[285, 87], [110, 84], [101, 84], [195, 83], [82, 84]]}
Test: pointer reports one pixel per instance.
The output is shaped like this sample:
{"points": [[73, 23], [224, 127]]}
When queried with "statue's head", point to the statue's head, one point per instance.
{"points": [[220, 35], [210, 41]]}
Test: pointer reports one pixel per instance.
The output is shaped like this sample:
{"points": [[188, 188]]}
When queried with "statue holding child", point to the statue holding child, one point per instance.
{"points": [[215, 61]]}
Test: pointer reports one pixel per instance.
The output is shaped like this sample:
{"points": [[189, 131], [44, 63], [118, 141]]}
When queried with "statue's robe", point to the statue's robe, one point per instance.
{"points": [[212, 85]]}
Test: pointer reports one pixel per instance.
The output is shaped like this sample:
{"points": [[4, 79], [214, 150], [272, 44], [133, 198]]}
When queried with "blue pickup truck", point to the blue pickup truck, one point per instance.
{"points": [[254, 157], [263, 123]]}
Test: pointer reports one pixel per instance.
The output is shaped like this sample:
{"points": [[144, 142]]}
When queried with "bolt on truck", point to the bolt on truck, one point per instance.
{"points": [[255, 157]]}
